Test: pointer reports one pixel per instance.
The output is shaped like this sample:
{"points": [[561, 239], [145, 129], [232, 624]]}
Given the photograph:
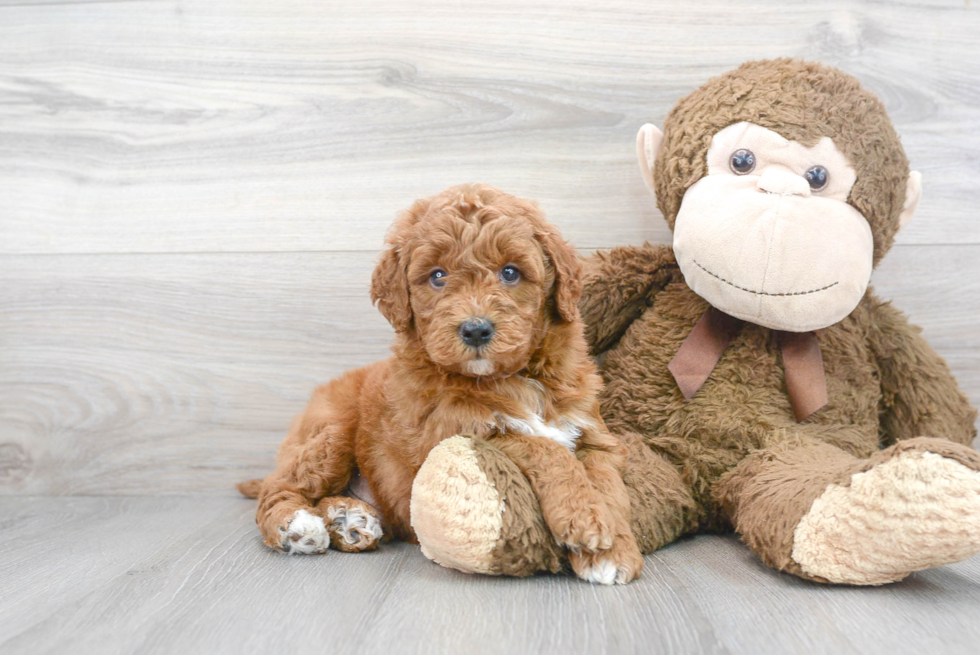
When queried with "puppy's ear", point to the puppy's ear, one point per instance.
{"points": [[389, 283], [568, 273], [389, 290]]}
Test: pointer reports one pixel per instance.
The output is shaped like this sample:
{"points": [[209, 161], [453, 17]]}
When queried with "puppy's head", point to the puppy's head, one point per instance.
{"points": [[477, 276]]}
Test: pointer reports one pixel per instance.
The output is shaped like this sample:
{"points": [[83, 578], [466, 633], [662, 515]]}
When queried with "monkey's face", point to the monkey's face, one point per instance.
{"points": [[767, 235]]}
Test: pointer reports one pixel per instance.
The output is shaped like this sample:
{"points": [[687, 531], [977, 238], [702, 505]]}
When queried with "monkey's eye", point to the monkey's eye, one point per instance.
{"points": [[437, 278], [509, 274], [742, 161], [817, 177]]}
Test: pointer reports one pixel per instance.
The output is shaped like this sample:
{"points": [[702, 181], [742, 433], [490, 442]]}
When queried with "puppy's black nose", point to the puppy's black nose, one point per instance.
{"points": [[476, 331]]}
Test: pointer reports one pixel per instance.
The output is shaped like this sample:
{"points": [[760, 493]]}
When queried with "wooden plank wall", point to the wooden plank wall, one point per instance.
{"points": [[192, 194]]}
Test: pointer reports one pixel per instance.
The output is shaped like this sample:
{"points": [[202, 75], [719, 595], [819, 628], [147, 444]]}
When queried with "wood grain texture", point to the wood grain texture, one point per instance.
{"points": [[190, 575], [153, 373], [149, 374], [239, 125]]}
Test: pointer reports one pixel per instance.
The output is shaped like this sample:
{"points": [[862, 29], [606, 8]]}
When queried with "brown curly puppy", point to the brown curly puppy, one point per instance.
{"points": [[483, 294]]}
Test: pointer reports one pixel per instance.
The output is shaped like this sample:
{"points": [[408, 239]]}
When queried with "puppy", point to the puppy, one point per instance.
{"points": [[482, 293]]}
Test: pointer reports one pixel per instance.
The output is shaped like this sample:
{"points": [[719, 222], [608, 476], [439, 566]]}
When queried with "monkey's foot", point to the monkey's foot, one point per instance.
{"points": [[914, 510], [473, 510]]}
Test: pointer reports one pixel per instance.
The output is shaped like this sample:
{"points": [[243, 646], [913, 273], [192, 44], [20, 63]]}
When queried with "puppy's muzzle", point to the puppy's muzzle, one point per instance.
{"points": [[476, 332]]}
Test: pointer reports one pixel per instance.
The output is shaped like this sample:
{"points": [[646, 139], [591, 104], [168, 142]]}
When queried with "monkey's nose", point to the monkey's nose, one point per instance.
{"points": [[476, 331], [783, 183]]}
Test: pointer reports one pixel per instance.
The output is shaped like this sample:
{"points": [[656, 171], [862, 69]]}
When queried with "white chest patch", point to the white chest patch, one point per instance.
{"points": [[565, 431]]}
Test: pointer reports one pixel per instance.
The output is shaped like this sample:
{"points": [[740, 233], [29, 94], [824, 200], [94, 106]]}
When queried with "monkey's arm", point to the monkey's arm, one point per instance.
{"points": [[920, 396], [618, 285]]}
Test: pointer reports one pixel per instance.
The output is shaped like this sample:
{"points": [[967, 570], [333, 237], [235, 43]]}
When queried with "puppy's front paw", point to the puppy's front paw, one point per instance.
{"points": [[304, 535], [588, 527], [620, 564]]}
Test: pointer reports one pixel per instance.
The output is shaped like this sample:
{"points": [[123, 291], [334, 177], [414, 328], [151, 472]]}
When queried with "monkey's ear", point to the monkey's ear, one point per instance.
{"points": [[568, 273], [913, 194], [647, 145], [389, 290]]}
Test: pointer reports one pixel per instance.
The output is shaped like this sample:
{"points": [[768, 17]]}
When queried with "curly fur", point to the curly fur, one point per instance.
{"points": [[384, 419]]}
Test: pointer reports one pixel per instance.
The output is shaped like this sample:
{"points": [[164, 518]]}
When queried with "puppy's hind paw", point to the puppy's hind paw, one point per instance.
{"points": [[354, 526], [305, 535]]}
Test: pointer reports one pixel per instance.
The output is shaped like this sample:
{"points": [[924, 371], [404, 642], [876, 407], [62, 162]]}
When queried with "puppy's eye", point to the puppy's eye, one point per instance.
{"points": [[817, 176], [437, 278], [510, 275], [742, 161]]}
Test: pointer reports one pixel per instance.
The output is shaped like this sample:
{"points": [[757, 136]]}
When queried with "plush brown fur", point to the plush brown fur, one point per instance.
{"points": [[772, 489], [884, 384], [384, 419], [803, 102], [740, 457], [529, 546]]}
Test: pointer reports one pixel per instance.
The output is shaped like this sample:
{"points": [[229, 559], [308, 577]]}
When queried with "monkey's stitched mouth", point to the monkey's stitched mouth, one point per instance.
{"points": [[762, 293]]}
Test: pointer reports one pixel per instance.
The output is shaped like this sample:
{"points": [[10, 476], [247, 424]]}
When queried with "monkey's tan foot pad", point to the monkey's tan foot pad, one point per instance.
{"points": [[305, 534], [913, 511], [354, 526], [474, 511]]}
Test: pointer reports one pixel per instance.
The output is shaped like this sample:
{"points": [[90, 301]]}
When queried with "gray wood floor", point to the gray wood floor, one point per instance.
{"points": [[189, 575], [192, 196]]}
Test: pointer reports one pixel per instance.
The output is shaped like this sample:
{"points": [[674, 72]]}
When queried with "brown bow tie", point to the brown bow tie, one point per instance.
{"points": [[802, 363]]}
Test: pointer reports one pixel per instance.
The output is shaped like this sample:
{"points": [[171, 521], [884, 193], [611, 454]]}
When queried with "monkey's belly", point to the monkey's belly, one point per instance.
{"points": [[743, 406]]}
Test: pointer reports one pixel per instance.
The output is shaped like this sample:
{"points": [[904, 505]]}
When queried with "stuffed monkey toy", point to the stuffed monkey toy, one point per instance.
{"points": [[758, 382]]}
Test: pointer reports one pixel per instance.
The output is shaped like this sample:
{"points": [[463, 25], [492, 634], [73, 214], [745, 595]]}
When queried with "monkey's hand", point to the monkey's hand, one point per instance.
{"points": [[618, 285]]}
